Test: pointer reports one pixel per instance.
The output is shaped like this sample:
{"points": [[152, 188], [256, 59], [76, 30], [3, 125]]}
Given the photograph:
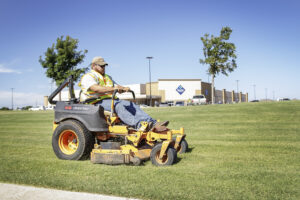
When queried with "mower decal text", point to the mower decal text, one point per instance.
{"points": [[80, 108]]}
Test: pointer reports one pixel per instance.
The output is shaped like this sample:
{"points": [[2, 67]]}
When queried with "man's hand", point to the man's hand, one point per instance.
{"points": [[126, 89], [121, 89]]}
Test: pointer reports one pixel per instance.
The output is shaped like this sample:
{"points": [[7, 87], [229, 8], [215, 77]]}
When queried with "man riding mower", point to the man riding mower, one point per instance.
{"points": [[82, 130]]}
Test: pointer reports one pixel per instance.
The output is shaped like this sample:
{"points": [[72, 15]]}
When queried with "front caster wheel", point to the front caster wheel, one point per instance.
{"points": [[136, 161], [168, 159], [183, 147]]}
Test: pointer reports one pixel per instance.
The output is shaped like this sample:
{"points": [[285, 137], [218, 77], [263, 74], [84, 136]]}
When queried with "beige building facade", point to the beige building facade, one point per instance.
{"points": [[172, 90]]}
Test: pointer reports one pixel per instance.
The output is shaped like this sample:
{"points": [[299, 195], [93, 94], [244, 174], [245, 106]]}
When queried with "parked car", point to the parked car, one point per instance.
{"points": [[199, 99], [255, 100], [179, 103], [170, 103], [165, 104], [50, 107], [283, 99], [37, 108]]}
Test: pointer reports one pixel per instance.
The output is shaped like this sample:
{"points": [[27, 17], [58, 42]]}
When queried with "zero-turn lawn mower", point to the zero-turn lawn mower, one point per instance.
{"points": [[83, 130]]}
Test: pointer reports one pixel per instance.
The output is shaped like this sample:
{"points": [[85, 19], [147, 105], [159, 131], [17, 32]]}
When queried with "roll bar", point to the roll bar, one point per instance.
{"points": [[68, 82]]}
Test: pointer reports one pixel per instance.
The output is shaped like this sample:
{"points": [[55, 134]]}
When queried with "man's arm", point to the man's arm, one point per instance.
{"points": [[104, 89]]}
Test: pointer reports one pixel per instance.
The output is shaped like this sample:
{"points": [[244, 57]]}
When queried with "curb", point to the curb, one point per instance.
{"points": [[20, 192]]}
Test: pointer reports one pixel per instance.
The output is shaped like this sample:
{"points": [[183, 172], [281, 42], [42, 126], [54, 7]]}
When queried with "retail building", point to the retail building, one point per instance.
{"points": [[174, 90]]}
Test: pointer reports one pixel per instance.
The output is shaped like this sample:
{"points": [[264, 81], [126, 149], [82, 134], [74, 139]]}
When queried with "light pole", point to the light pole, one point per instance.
{"points": [[237, 89], [266, 90], [12, 98], [254, 92], [149, 58]]}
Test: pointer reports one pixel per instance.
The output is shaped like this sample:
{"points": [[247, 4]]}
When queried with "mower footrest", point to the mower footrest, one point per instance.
{"points": [[109, 158]]}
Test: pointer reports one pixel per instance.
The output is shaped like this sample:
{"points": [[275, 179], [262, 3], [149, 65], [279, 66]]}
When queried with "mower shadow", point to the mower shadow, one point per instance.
{"points": [[190, 149], [177, 161]]}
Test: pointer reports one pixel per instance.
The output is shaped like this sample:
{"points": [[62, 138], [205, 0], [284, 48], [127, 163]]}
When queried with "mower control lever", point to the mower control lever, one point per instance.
{"points": [[116, 91], [113, 97]]}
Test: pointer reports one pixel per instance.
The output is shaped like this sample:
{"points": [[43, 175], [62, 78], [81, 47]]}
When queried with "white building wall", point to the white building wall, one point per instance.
{"points": [[138, 89], [170, 89]]}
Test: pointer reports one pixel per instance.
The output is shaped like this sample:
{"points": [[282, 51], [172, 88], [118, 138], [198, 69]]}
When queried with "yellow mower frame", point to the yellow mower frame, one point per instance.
{"points": [[133, 152]]}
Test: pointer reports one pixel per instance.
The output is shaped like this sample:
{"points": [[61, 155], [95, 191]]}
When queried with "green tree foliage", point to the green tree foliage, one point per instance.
{"points": [[4, 108], [62, 58], [219, 55]]}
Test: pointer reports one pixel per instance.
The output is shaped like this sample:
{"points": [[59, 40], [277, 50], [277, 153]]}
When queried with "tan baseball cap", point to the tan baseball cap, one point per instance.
{"points": [[99, 60]]}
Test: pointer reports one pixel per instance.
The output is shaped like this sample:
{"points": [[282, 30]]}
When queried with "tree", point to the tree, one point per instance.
{"points": [[219, 55], [62, 58], [4, 108]]}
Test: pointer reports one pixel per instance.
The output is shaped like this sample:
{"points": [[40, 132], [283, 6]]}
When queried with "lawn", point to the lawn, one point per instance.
{"points": [[239, 151]]}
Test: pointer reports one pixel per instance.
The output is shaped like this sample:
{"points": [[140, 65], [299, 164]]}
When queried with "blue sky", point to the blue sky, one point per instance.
{"points": [[266, 35]]}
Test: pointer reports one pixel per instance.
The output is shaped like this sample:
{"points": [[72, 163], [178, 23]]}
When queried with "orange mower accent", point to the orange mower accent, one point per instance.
{"points": [[68, 142]]}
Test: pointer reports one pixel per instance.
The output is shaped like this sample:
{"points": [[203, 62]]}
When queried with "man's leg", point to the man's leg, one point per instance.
{"points": [[128, 112]]}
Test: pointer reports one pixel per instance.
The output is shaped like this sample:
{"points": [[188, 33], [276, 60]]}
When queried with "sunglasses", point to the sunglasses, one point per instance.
{"points": [[102, 66]]}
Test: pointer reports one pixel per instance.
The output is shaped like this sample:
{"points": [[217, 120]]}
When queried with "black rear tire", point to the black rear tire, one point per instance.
{"points": [[72, 141]]}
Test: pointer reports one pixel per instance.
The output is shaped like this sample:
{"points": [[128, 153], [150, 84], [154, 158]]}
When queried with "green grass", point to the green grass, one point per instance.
{"points": [[241, 151]]}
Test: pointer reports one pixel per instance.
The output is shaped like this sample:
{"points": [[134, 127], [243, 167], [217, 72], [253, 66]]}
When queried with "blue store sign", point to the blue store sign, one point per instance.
{"points": [[180, 89]]}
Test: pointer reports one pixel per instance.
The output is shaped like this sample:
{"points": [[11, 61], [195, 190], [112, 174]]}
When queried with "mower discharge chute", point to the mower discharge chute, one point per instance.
{"points": [[82, 130]]}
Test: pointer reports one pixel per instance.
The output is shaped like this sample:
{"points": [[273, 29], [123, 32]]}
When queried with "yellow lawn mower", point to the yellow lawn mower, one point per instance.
{"points": [[83, 130]]}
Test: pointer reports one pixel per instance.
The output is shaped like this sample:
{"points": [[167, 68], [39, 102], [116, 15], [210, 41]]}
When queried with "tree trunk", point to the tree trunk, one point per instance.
{"points": [[213, 89]]}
